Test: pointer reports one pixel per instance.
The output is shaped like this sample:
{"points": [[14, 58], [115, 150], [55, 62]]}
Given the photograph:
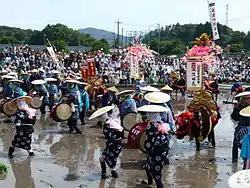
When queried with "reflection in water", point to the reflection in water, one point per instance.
{"points": [[6, 134], [69, 151], [22, 173], [199, 172]]}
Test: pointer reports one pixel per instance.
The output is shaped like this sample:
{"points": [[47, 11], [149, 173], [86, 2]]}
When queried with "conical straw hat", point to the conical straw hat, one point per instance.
{"points": [[245, 112], [13, 103], [166, 88], [113, 89], [38, 82], [152, 108], [8, 77], [126, 92], [149, 88], [72, 81], [243, 94], [19, 81], [101, 111], [157, 97], [240, 179], [51, 79]]}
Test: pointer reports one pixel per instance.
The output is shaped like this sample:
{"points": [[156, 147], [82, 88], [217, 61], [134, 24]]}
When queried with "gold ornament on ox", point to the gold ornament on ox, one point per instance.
{"points": [[203, 98]]}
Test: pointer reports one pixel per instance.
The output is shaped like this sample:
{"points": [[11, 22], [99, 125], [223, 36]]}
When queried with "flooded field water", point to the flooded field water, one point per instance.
{"points": [[71, 161]]}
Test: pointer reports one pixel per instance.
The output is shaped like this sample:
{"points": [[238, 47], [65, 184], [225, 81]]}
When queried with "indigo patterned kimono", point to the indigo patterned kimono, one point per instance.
{"points": [[53, 95], [24, 130], [113, 145], [157, 147]]}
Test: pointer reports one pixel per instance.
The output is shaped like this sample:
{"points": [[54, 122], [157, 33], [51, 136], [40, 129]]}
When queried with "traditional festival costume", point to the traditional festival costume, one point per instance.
{"points": [[85, 103], [25, 119], [53, 92], [112, 131], [76, 104], [156, 143]]}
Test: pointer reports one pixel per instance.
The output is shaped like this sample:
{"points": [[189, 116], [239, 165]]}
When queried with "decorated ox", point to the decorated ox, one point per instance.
{"points": [[200, 120]]}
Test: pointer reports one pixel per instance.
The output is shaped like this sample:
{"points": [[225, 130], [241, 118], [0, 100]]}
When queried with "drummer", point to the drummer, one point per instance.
{"points": [[7, 86], [25, 119], [168, 90], [40, 89], [128, 105], [237, 86], [25, 85], [109, 97], [85, 101], [112, 131], [53, 92], [241, 129], [17, 91], [156, 143], [76, 104]]}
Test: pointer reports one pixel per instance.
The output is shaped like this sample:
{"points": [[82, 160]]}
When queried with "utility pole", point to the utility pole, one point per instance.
{"points": [[227, 15], [122, 39], [159, 38], [118, 36], [44, 40]]}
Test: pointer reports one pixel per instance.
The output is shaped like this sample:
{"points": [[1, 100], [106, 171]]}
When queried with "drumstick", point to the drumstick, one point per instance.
{"points": [[41, 98]]}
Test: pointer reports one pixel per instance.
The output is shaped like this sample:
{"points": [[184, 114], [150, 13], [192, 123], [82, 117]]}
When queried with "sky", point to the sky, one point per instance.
{"points": [[135, 15]]}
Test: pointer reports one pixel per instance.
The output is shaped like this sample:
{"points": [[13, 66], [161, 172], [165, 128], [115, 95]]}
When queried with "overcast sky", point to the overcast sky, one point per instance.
{"points": [[135, 14]]}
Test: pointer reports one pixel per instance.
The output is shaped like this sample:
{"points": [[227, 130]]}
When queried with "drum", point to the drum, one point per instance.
{"points": [[61, 112], [6, 109], [130, 120], [36, 102], [136, 137]]}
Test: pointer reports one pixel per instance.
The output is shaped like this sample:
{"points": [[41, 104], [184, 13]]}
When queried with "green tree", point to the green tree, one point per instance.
{"points": [[60, 45], [236, 48]]}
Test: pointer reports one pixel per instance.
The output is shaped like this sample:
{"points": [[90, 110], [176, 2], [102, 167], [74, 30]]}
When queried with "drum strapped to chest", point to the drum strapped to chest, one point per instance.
{"points": [[6, 109], [130, 120], [36, 102], [136, 137], [61, 112]]}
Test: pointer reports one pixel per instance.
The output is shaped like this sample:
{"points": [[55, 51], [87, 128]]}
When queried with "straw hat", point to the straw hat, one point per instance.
{"points": [[12, 74], [113, 89], [101, 111], [72, 81], [243, 94], [157, 97], [152, 108], [240, 179], [149, 88], [83, 83], [245, 112], [126, 92], [8, 77], [50, 79], [55, 72], [18, 81], [38, 82], [35, 71], [166, 88], [13, 103], [42, 70]]}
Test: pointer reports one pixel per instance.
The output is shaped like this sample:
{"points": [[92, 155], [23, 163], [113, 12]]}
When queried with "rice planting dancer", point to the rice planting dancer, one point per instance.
{"points": [[156, 143], [25, 119], [112, 131]]}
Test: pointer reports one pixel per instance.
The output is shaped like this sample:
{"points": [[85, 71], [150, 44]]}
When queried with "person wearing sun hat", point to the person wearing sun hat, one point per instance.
{"points": [[113, 132], [26, 85], [7, 87], [17, 90], [25, 119], [53, 91], [40, 89], [243, 124], [109, 97], [156, 143], [74, 98], [85, 101]]}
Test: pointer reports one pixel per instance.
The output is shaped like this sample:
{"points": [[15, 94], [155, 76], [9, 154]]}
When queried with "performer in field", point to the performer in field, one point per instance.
{"points": [[25, 119]]}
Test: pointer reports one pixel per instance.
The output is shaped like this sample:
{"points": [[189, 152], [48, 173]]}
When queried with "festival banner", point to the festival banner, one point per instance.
{"points": [[134, 67], [52, 54], [213, 21], [91, 68], [84, 71], [194, 76]]}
